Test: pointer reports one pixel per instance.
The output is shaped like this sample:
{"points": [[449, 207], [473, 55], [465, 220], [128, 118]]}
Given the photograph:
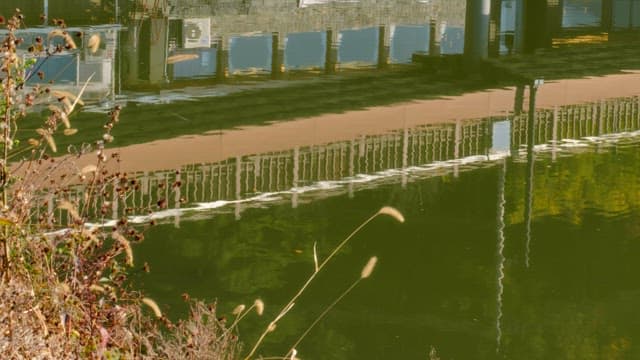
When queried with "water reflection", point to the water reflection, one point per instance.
{"points": [[521, 214]]}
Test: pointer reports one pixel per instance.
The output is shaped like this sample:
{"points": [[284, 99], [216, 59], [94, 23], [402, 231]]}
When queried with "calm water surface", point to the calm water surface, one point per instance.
{"points": [[468, 273], [289, 123]]}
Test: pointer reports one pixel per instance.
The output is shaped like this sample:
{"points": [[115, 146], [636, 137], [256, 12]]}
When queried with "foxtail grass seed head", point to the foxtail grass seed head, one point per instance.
{"points": [[368, 269], [69, 132], [152, 304], [393, 212], [125, 244], [48, 138], [259, 304], [238, 309], [315, 256]]}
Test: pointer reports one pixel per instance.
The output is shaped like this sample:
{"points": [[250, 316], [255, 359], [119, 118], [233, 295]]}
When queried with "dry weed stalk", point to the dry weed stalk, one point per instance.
{"points": [[387, 210], [366, 272], [64, 290]]}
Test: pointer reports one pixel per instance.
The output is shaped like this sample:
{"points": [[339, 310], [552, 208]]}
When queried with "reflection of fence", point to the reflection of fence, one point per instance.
{"points": [[240, 177], [578, 121], [236, 178]]}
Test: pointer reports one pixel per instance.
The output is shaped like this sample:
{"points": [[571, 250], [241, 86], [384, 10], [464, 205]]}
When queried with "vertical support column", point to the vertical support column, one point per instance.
{"points": [[606, 20], [405, 156], [50, 208], [132, 53], [518, 104], [278, 43], [257, 172], [528, 211], [456, 147], [331, 54], [176, 199], [476, 42], [384, 45], [554, 134], [435, 36], [296, 176], [158, 46], [631, 6], [518, 41], [556, 14], [494, 28], [352, 155], [537, 25], [603, 110], [45, 11], [238, 207], [222, 59], [500, 247]]}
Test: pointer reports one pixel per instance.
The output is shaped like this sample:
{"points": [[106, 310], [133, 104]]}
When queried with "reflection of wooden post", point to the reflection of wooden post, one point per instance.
{"points": [[528, 211], [238, 186], [554, 134], [277, 55], [176, 199], [331, 54], [222, 59], [405, 154], [352, 149], [50, 208], [457, 144], [501, 258], [603, 109], [296, 176], [519, 100]]}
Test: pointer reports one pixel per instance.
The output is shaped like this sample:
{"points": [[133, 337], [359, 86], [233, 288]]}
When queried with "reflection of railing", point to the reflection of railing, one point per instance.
{"points": [[246, 176], [274, 172], [578, 121], [238, 178]]}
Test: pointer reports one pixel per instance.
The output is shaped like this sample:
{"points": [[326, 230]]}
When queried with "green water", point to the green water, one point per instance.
{"points": [[461, 275], [509, 250]]}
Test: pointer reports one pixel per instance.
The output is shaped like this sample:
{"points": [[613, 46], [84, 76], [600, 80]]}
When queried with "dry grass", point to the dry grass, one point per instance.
{"points": [[63, 285]]}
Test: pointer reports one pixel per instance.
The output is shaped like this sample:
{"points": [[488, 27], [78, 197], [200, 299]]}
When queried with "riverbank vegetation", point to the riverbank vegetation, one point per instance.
{"points": [[64, 291]]}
